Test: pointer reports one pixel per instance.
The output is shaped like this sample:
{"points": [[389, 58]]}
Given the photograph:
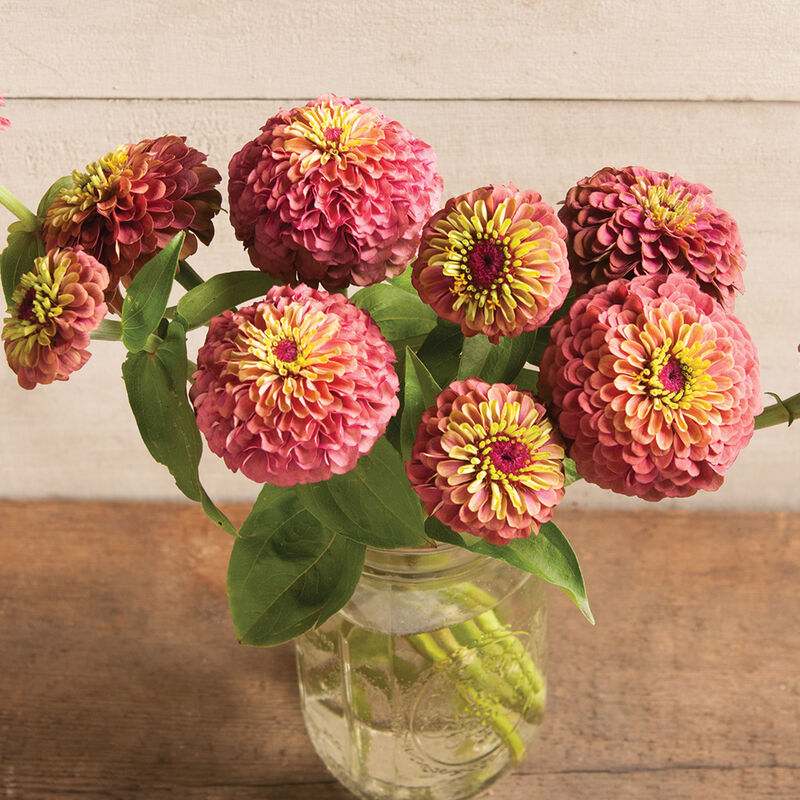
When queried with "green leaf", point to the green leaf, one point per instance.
{"points": [[156, 386], [392, 434], [109, 331], [419, 393], [24, 246], [403, 318], [289, 572], [495, 363], [219, 292], [548, 555], [146, 298], [571, 473], [542, 340], [425, 382], [527, 380], [403, 281], [441, 351], [373, 504], [50, 194], [273, 505]]}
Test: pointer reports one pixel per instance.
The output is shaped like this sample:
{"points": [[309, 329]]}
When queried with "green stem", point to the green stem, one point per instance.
{"points": [[364, 652], [478, 597], [500, 723], [461, 637], [425, 645], [492, 644], [186, 276], [783, 411], [511, 675], [153, 343], [530, 684], [489, 624], [23, 214], [435, 647]]}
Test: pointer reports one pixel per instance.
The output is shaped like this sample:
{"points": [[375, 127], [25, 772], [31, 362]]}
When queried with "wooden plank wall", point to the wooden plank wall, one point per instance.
{"points": [[540, 92]]}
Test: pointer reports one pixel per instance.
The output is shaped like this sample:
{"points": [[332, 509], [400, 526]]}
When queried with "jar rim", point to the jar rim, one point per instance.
{"points": [[436, 547], [419, 562]]}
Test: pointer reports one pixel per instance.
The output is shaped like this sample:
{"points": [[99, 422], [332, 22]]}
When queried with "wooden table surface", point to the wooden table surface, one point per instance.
{"points": [[120, 676]]}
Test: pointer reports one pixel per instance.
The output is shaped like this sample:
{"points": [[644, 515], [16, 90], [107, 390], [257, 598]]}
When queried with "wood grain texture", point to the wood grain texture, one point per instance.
{"points": [[121, 677], [744, 151], [606, 49]]}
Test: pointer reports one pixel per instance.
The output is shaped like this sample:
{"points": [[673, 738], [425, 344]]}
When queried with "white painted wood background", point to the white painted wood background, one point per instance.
{"points": [[541, 92]]}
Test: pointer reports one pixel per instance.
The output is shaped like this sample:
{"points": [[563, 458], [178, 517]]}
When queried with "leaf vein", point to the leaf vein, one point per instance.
{"points": [[289, 586]]}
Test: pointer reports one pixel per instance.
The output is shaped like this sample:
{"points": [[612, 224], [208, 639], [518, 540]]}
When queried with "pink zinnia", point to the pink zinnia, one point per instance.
{"points": [[295, 388], [633, 221], [4, 123], [333, 193], [53, 310], [487, 461], [131, 203], [494, 261], [654, 384]]}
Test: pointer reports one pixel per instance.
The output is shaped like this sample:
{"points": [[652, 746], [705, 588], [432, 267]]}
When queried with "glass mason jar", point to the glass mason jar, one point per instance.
{"points": [[430, 682]]}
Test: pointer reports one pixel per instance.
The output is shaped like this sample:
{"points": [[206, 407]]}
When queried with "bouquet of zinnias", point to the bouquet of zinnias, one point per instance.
{"points": [[393, 372]]}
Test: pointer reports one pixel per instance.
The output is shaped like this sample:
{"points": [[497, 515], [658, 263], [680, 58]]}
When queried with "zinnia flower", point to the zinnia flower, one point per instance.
{"points": [[133, 202], [4, 123], [494, 261], [654, 384], [52, 312], [632, 221], [295, 388], [333, 193], [487, 461]]}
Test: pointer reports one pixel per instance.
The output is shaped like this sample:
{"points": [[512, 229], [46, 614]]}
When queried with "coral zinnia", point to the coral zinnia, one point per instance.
{"points": [[632, 221], [494, 261], [52, 311], [295, 388], [333, 193], [655, 385], [487, 461], [131, 203]]}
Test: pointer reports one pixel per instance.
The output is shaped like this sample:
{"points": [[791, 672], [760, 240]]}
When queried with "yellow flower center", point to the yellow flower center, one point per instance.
{"points": [[281, 349], [672, 210], [97, 182], [479, 262], [333, 130], [503, 456], [675, 377], [491, 260], [36, 303], [295, 350]]}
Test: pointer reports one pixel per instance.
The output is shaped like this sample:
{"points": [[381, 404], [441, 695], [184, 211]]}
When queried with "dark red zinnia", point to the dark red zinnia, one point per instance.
{"points": [[132, 202]]}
